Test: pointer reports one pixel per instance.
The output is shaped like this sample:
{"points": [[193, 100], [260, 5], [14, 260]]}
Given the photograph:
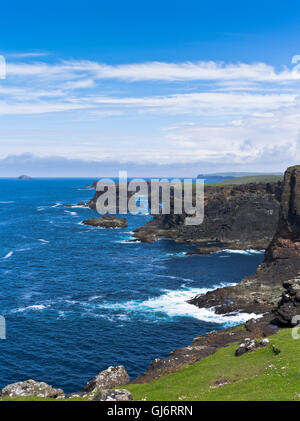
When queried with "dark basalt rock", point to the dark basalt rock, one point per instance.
{"points": [[204, 250], [261, 292], [106, 222], [289, 305], [242, 215], [282, 257]]}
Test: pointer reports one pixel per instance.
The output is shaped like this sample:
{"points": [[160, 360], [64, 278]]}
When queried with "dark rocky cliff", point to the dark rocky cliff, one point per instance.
{"points": [[260, 292], [282, 257], [242, 215]]}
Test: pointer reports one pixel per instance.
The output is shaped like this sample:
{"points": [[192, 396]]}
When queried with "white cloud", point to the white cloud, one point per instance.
{"points": [[149, 71], [243, 114]]}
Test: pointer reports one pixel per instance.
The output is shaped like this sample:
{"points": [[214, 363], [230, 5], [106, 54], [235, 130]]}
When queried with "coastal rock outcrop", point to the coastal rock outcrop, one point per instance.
{"points": [[244, 215], [282, 257], [109, 221], [248, 345], [261, 292], [204, 250], [31, 388], [289, 305], [113, 395], [108, 379]]}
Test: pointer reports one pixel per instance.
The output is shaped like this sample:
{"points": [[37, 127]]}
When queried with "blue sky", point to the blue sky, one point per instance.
{"points": [[158, 88]]}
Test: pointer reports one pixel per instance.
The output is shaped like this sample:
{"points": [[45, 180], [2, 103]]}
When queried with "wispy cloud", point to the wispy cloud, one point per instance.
{"points": [[151, 71], [26, 55], [240, 113]]}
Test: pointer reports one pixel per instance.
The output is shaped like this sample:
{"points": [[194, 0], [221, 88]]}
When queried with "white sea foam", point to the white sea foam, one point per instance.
{"points": [[71, 213], [177, 254], [8, 255], [245, 252], [43, 241], [6, 202], [56, 205], [127, 242], [95, 297], [33, 307], [173, 303]]}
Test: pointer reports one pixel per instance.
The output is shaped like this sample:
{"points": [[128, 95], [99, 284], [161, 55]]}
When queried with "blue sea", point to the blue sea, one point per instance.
{"points": [[78, 299]]}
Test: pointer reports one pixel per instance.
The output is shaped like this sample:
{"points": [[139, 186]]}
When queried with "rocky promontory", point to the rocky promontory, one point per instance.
{"points": [[243, 215]]}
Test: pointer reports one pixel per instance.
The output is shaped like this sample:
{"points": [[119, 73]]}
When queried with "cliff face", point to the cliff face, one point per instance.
{"points": [[262, 291], [282, 257], [242, 215], [286, 242]]}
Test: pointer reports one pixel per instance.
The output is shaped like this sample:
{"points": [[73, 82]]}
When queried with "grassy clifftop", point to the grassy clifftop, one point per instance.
{"points": [[262, 178], [259, 375]]}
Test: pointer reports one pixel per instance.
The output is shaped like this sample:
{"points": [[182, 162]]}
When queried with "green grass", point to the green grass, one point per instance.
{"points": [[259, 375], [263, 178]]}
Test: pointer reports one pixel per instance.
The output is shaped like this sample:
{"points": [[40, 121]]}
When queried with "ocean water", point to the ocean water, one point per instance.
{"points": [[77, 299]]}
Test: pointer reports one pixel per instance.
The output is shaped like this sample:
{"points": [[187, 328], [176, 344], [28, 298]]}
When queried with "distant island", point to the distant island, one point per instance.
{"points": [[24, 177]]}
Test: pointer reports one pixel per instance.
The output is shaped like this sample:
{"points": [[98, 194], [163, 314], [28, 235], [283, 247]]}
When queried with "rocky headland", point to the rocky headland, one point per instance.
{"points": [[260, 293], [239, 216]]}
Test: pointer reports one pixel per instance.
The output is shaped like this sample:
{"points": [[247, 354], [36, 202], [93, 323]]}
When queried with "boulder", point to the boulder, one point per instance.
{"points": [[113, 395], [248, 345], [31, 388], [108, 379], [109, 221]]}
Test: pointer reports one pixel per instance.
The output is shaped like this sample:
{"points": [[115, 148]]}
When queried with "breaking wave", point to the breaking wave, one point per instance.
{"points": [[33, 307], [8, 255], [173, 303]]}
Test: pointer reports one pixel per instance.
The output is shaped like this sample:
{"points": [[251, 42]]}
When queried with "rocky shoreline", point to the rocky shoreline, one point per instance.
{"points": [[106, 385]]}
